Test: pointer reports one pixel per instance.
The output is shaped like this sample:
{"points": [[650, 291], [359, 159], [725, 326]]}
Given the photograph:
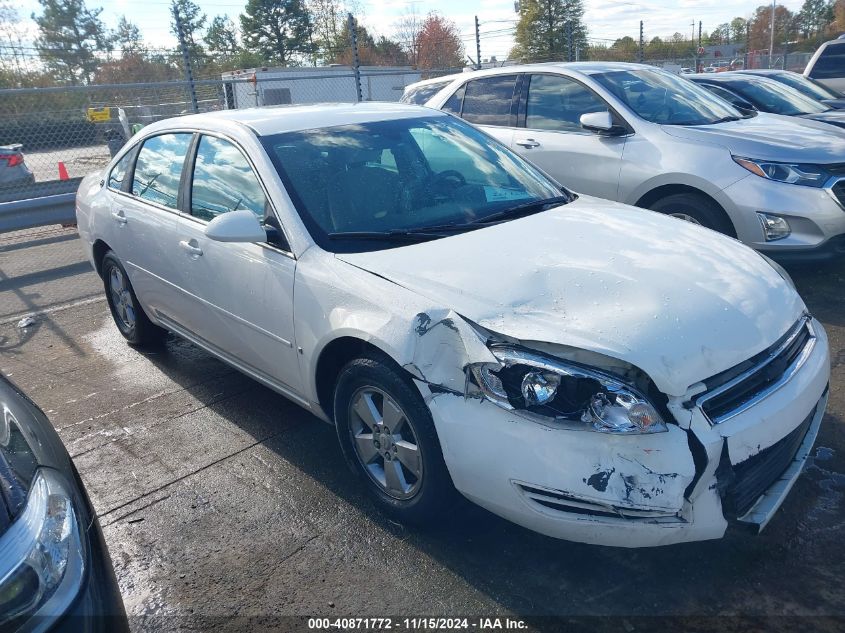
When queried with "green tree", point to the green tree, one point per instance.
{"points": [[814, 17], [193, 22], [279, 30], [738, 29], [222, 37], [69, 36], [541, 33], [127, 37]]}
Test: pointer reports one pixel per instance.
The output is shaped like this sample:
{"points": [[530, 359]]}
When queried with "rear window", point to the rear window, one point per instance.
{"points": [[421, 94], [159, 168], [831, 63], [487, 101]]}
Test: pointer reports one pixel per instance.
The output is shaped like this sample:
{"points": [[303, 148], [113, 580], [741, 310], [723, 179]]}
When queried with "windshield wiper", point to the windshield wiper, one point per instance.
{"points": [[395, 235], [525, 208]]}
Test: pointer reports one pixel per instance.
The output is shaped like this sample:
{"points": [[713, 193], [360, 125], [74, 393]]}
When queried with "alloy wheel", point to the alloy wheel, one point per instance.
{"points": [[385, 443], [124, 307]]}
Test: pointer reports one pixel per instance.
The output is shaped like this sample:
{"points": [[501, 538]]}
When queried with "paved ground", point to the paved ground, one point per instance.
{"points": [[79, 161], [220, 498]]}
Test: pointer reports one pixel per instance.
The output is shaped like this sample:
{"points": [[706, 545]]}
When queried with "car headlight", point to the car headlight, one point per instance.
{"points": [[568, 392], [42, 556], [792, 173]]}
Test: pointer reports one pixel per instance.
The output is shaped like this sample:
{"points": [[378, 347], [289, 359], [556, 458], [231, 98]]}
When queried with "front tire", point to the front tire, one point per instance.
{"points": [[388, 438], [128, 315], [697, 209]]}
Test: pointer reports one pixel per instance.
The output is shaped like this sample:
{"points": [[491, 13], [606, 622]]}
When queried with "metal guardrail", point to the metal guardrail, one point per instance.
{"points": [[25, 214]]}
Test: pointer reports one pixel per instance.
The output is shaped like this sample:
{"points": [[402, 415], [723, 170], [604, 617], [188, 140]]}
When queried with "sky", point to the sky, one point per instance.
{"points": [[605, 19]]}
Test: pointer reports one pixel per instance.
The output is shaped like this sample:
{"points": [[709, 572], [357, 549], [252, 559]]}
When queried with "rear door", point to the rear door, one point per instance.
{"points": [[551, 135], [235, 298], [144, 194]]}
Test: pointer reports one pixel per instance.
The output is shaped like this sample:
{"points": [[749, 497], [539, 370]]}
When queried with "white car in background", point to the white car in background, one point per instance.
{"points": [[643, 136], [588, 370]]}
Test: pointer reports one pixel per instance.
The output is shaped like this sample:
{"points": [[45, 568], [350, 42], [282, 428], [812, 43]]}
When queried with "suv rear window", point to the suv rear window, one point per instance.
{"points": [[421, 94], [487, 101], [831, 62]]}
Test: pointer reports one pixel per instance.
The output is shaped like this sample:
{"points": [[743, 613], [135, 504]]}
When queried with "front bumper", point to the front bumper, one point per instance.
{"points": [[627, 491], [816, 218]]}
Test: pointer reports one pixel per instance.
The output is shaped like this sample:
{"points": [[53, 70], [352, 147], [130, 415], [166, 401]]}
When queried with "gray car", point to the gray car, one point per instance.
{"points": [[644, 136], [806, 86], [13, 169]]}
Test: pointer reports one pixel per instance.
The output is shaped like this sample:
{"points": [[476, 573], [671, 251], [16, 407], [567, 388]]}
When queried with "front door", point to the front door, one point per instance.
{"points": [[552, 137], [236, 298]]}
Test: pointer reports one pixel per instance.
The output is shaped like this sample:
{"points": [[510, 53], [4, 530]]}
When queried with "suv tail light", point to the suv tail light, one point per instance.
{"points": [[13, 159]]}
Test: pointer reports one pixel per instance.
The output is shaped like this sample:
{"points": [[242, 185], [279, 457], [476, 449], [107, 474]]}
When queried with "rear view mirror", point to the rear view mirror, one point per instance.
{"points": [[236, 226], [601, 123]]}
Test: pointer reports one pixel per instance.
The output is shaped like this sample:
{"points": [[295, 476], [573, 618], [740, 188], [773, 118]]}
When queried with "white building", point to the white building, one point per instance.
{"points": [[336, 83]]}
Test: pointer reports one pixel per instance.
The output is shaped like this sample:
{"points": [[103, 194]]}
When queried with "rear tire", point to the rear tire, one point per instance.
{"points": [[697, 209], [402, 467], [128, 315]]}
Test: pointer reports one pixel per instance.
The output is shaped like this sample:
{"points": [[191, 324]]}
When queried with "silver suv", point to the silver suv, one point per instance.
{"points": [[647, 137], [828, 65]]}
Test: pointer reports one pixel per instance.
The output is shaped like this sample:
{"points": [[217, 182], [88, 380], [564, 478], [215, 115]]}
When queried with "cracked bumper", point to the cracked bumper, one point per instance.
{"points": [[627, 491]]}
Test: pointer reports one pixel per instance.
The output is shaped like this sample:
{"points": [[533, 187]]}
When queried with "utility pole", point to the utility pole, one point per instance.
{"points": [[699, 42], [570, 42], [186, 60], [747, 44], [772, 34], [477, 45], [356, 64], [692, 41], [641, 52]]}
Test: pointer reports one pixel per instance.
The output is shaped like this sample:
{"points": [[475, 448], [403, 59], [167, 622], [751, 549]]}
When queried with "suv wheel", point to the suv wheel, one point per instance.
{"points": [[697, 209], [127, 313], [388, 438]]}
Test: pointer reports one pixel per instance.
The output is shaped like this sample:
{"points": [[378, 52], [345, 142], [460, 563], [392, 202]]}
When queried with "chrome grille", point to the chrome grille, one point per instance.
{"points": [[737, 389]]}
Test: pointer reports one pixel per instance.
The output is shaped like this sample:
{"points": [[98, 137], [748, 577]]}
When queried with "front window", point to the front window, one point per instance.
{"points": [[777, 98], [661, 97], [408, 175], [224, 181], [557, 103]]}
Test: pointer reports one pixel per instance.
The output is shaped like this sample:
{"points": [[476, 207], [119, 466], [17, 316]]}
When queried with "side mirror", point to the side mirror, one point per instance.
{"points": [[236, 226], [601, 123]]}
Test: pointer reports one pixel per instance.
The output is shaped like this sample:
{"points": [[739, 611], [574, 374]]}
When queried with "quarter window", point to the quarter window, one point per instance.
{"points": [[118, 172], [224, 181], [454, 103], [487, 101], [557, 103], [159, 168]]}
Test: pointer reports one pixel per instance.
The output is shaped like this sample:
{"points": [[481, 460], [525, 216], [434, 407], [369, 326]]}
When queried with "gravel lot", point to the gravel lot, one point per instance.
{"points": [[220, 498]]}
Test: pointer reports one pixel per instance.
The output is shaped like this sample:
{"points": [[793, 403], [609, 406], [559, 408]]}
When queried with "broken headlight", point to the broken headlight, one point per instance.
{"points": [[565, 391]]}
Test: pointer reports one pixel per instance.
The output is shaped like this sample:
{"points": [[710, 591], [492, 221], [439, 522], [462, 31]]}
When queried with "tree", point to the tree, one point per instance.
{"points": [[279, 30], [761, 27], [439, 43], [127, 37], [193, 21], [222, 37], [408, 32], [738, 29], [541, 33], [814, 17], [720, 35], [70, 34], [371, 52], [13, 62]]}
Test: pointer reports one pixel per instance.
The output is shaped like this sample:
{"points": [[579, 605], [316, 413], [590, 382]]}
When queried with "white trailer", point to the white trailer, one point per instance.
{"points": [[336, 83]]}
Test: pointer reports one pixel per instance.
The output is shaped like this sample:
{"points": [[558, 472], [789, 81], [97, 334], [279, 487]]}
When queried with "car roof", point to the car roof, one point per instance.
{"points": [[730, 76], [291, 118], [585, 68]]}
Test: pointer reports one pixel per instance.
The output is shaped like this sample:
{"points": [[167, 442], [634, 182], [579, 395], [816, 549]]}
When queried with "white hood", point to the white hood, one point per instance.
{"points": [[680, 302]]}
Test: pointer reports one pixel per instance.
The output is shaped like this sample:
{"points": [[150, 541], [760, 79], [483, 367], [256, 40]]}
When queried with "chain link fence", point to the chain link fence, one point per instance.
{"points": [[51, 137]]}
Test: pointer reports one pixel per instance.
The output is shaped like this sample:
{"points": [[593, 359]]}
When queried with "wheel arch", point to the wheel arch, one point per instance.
{"points": [[334, 356], [663, 191], [99, 249]]}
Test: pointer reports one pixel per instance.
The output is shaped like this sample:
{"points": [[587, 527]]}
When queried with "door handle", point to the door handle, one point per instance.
{"points": [[528, 143], [119, 217], [191, 249]]}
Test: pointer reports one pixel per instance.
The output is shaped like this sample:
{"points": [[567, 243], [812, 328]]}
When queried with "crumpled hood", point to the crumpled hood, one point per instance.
{"points": [[771, 137], [678, 301]]}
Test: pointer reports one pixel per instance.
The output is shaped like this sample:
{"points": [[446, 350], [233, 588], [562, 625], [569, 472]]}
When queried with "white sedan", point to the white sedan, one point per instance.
{"points": [[588, 370]]}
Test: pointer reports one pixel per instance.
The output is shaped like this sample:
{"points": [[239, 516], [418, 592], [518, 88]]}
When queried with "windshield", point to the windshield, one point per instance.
{"points": [[770, 96], [806, 86], [430, 173], [661, 97]]}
